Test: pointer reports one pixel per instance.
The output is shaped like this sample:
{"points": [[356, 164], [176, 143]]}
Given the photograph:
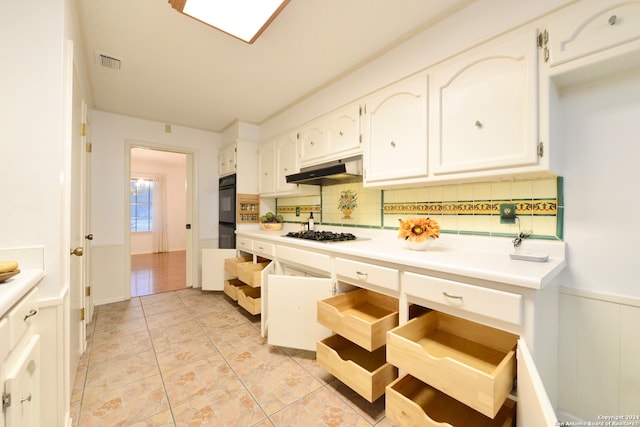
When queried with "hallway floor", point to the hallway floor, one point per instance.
{"points": [[193, 358]]}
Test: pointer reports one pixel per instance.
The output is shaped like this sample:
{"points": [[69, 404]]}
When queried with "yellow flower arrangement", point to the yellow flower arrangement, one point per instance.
{"points": [[418, 229]]}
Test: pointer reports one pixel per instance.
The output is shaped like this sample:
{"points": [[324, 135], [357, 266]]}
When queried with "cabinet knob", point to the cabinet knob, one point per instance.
{"points": [[341, 133], [613, 20], [311, 142], [478, 124], [393, 144]]}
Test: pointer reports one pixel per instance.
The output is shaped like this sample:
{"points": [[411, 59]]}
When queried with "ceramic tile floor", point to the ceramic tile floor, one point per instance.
{"points": [[193, 358]]}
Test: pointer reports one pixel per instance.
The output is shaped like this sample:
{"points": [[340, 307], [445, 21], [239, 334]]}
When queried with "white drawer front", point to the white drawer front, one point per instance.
{"points": [[264, 249], [244, 244], [474, 299], [4, 339], [362, 273], [22, 315], [301, 257]]}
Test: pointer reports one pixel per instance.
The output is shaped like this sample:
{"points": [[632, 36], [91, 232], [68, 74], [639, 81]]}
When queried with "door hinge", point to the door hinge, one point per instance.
{"points": [[543, 43], [360, 138], [6, 400], [541, 149], [88, 293], [82, 313], [89, 147], [83, 129]]}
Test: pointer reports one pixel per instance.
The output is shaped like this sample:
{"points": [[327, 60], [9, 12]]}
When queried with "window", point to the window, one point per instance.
{"points": [[141, 204]]}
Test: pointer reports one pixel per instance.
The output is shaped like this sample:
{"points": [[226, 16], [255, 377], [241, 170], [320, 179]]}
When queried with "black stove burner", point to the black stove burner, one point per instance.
{"points": [[322, 236]]}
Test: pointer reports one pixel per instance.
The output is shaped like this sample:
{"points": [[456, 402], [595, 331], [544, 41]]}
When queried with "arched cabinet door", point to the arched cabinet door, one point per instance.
{"points": [[485, 105], [23, 385]]}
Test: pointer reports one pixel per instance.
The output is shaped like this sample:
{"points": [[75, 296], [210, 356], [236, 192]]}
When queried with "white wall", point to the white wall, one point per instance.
{"points": [[142, 243], [111, 136]]}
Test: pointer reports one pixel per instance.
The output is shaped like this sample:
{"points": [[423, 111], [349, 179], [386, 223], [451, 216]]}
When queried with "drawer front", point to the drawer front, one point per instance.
{"points": [[264, 249], [309, 259], [245, 245], [22, 315], [362, 274], [499, 305], [4, 339]]}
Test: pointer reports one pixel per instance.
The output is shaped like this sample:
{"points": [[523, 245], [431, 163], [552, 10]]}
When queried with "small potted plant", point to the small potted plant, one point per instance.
{"points": [[271, 221], [418, 232]]}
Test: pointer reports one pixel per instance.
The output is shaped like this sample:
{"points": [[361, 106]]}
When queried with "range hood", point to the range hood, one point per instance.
{"points": [[336, 172]]}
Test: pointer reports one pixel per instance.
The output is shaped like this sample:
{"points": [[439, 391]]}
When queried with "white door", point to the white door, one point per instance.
{"points": [[534, 408], [292, 310], [88, 237]]}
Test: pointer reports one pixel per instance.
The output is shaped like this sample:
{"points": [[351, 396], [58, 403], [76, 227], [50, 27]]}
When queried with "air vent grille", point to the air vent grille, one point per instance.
{"points": [[108, 61]]}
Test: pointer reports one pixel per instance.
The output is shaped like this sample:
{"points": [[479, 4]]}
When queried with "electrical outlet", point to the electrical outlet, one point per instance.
{"points": [[507, 213], [297, 211]]}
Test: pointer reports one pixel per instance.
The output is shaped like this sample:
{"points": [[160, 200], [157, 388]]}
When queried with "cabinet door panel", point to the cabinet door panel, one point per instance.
{"points": [[344, 130], [213, 273], [592, 26], [286, 162], [266, 168], [313, 143], [292, 304], [486, 107], [534, 408], [396, 131], [23, 383]]}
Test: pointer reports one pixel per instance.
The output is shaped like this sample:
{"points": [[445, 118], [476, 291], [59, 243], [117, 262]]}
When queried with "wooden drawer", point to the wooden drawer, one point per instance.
{"points": [[361, 316], [361, 274], [4, 339], [249, 273], [244, 244], [231, 288], [367, 373], [410, 402], [249, 299], [500, 305], [267, 250], [470, 362], [21, 316], [231, 264], [308, 259]]}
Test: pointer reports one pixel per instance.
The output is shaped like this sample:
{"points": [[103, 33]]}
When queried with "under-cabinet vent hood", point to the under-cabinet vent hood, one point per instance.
{"points": [[336, 172]]}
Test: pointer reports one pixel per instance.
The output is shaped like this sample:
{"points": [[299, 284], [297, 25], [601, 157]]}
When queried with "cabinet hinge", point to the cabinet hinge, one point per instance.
{"points": [[360, 138], [89, 147], [6, 400], [82, 313], [541, 149], [543, 43], [83, 129], [88, 293]]}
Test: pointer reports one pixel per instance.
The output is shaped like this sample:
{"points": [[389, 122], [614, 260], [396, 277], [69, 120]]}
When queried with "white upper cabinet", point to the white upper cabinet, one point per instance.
{"points": [[395, 132], [343, 131], [609, 27], [484, 105], [313, 142], [227, 160], [277, 159]]}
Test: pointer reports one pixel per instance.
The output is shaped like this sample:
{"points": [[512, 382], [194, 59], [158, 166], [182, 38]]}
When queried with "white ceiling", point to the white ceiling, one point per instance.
{"points": [[177, 70]]}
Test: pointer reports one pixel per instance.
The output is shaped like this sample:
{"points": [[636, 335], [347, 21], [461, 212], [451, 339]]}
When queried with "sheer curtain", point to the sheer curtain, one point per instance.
{"points": [[159, 228]]}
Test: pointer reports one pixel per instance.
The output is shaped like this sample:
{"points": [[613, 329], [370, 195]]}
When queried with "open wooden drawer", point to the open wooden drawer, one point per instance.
{"points": [[231, 264], [249, 273], [470, 362], [367, 373], [231, 288], [409, 401], [362, 316], [249, 298]]}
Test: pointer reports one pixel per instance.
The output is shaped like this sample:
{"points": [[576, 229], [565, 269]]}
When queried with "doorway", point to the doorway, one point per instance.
{"points": [[158, 241]]}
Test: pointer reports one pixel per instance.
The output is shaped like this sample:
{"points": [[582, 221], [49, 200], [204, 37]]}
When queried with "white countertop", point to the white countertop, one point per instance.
{"points": [[16, 287], [478, 257]]}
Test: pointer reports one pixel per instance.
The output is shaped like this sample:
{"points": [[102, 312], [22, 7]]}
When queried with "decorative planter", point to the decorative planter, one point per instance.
{"points": [[346, 213], [271, 226], [419, 246]]}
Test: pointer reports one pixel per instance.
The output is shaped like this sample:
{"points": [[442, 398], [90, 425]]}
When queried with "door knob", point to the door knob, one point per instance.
{"points": [[89, 237], [77, 251]]}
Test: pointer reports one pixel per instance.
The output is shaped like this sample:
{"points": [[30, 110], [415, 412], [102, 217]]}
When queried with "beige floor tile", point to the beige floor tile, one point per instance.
{"points": [[172, 357], [212, 322], [175, 335], [307, 359], [104, 318], [107, 347], [218, 409], [372, 412], [163, 419], [124, 405], [161, 305], [121, 328], [168, 318], [120, 305], [120, 370], [235, 339], [321, 408]]}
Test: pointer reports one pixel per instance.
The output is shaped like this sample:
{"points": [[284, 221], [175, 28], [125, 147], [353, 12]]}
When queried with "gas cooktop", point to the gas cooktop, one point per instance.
{"points": [[321, 236]]}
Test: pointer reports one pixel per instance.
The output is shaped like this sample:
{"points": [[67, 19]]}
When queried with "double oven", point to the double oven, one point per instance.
{"points": [[227, 212]]}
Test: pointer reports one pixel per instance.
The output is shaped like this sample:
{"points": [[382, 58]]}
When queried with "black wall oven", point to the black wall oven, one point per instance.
{"points": [[227, 212]]}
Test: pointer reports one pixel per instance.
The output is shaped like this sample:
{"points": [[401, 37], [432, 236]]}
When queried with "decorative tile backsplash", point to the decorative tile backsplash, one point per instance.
{"points": [[460, 208]]}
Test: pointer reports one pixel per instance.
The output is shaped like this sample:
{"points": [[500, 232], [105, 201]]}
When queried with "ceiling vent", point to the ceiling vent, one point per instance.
{"points": [[108, 61]]}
